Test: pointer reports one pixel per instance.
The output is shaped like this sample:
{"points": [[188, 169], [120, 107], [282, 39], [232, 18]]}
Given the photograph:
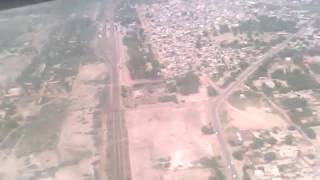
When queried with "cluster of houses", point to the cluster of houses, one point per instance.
{"points": [[277, 154], [186, 35], [182, 35]]}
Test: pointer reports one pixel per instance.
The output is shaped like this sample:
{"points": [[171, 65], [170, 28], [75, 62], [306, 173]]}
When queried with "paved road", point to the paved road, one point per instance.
{"points": [[225, 93]]}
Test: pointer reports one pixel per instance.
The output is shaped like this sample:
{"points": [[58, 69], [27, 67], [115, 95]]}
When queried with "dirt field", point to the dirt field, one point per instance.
{"points": [[168, 133], [254, 118]]}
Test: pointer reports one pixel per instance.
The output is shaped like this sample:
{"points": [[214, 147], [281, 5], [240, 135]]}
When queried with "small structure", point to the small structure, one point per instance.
{"points": [[14, 92]]}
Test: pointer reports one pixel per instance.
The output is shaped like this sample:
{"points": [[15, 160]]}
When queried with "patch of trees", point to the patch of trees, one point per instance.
{"points": [[213, 164], [316, 23], [234, 45], [270, 156], [298, 109], [271, 141], [296, 79], [79, 29], [288, 140], [243, 65], [168, 98], [294, 103], [313, 123], [260, 44], [289, 53], [257, 143], [238, 155], [199, 43], [309, 132], [188, 83], [6, 127], [262, 71], [312, 7], [68, 46], [224, 28], [64, 8], [171, 87], [296, 55], [281, 88], [249, 97], [139, 59], [134, 2], [276, 41], [207, 130], [267, 90], [126, 14], [267, 6], [272, 7], [246, 175], [229, 79], [314, 51], [315, 68], [211, 91], [268, 24]]}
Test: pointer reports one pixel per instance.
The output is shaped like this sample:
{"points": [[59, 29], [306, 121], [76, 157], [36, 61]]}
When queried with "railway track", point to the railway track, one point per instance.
{"points": [[119, 168], [118, 163]]}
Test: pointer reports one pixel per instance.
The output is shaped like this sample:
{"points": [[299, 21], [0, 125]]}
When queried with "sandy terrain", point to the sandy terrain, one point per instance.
{"points": [[92, 72], [11, 67], [166, 132], [254, 118], [188, 174], [76, 140], [73, 156], [81, 171]]}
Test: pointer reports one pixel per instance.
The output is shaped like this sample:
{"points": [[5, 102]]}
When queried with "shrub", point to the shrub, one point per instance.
{"points": [[270, 156], [171, 87], [238, 155], [288, 140], [168, 98], [211, 91], [188, 84], [271, 141], [207, 130], [309, 132], [257, 143]]}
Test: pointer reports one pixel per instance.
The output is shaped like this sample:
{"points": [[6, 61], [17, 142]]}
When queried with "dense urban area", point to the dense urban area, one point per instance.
{"points": [[160, 90]]}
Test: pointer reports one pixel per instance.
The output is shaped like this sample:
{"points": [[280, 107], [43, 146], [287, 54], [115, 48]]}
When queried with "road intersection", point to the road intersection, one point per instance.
{"points": [[220, 100]]}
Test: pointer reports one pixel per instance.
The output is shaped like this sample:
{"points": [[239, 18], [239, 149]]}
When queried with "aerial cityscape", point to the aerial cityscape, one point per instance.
{"points": [[160, 90]]}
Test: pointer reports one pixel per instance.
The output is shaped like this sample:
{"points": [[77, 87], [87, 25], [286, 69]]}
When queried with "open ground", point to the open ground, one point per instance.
{"points": [[172, 135]]}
